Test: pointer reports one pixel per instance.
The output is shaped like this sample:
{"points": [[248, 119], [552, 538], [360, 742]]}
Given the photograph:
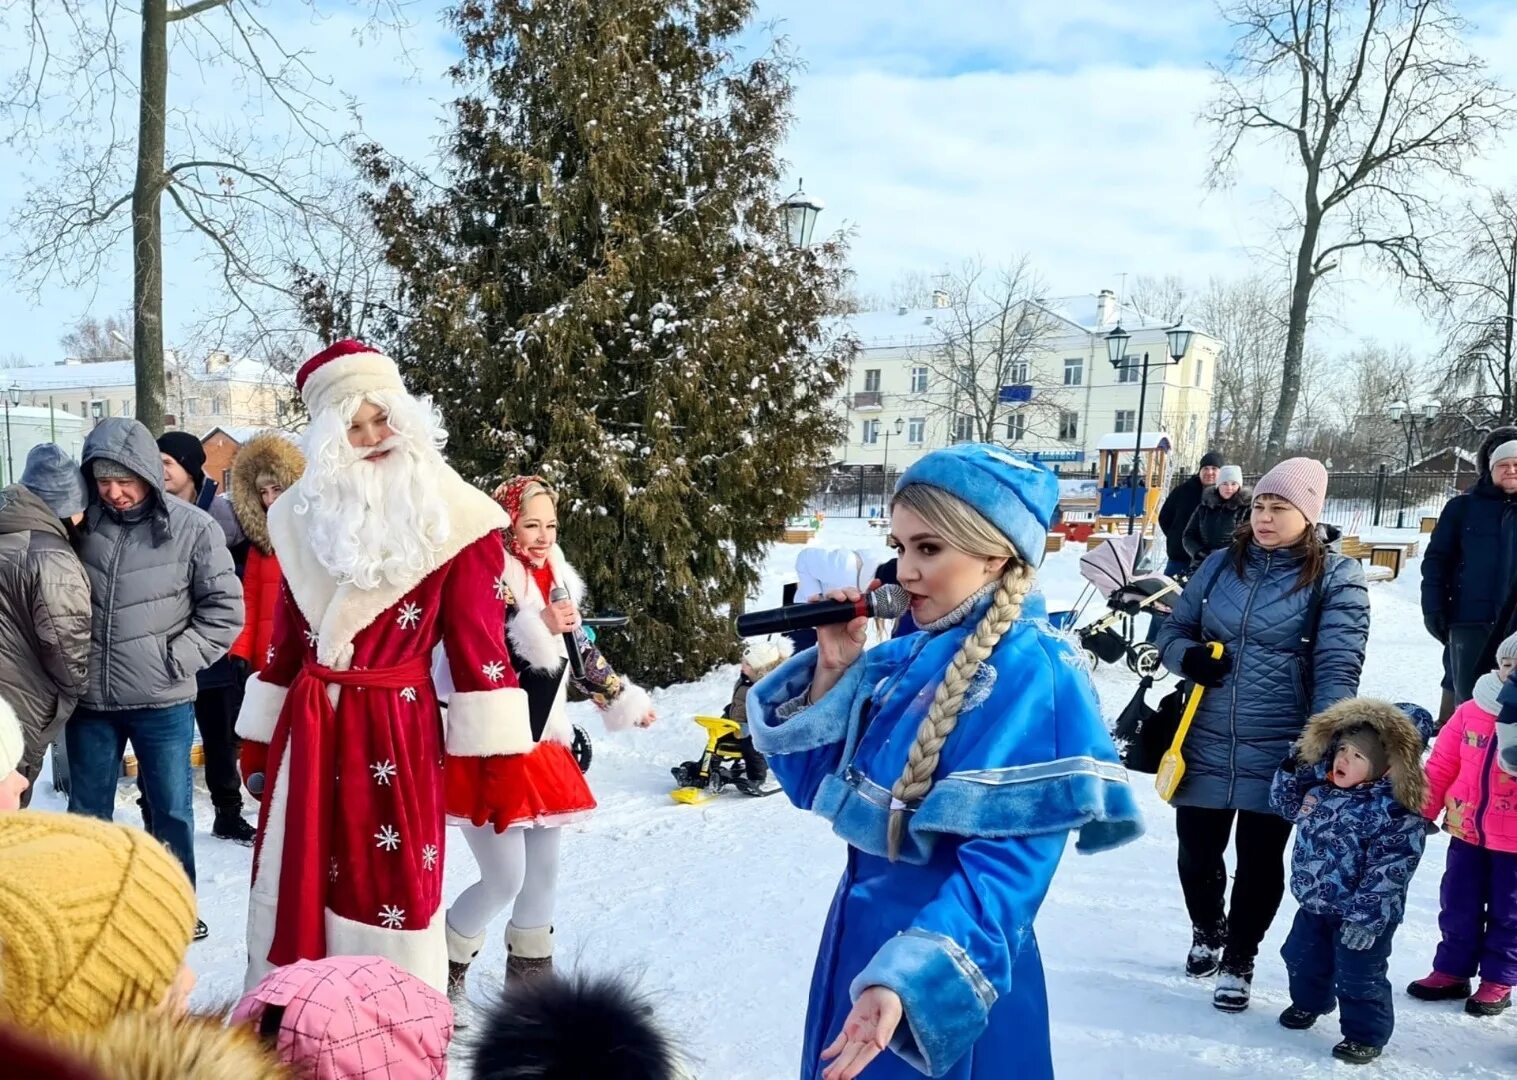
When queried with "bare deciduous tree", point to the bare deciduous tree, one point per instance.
{"points": [[1165, 298], [990, 335], [1479, 308], [119, 149], [1373, 98], [99, 339]]}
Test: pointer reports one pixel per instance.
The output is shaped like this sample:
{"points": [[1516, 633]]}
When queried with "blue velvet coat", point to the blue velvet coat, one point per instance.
{"points": [[949, 927]]}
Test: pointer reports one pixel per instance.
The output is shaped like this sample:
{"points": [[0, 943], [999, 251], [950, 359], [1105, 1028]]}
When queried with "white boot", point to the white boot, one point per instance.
{"points": [[461, 953], [529, 952]]}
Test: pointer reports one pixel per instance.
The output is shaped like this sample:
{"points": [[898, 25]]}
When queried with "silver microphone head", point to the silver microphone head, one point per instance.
{"points": [[889, 602], [557, 593]]}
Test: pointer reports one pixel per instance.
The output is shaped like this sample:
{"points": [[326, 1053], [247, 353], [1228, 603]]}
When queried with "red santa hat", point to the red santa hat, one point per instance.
{"points": [[343, 370]]}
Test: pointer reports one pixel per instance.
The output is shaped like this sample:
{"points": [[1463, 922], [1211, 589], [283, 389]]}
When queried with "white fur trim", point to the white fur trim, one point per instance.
{"points": [[349, 376], [532, 943], [461, 949], [541, 648], [424, 953], [261, 705], [339, 613], [12, 745], [263, 897], [766, 654], [484, 723], [631, 705]]}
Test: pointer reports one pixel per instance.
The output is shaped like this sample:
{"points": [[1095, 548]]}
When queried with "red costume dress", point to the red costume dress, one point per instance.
{"points": [[545, 787], [350, 853]]}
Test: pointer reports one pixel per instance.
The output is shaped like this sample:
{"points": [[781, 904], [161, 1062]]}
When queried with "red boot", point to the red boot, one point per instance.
{"points": [[1440, 987], [1492, 999]]}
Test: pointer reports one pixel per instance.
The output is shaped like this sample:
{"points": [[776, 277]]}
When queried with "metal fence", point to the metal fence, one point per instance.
{"points": [[1355, 500], [1386, 498], [853, 491]]}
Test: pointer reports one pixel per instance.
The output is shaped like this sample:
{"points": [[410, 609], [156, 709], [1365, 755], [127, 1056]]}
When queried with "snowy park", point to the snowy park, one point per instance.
{"points": [[716, 909]]}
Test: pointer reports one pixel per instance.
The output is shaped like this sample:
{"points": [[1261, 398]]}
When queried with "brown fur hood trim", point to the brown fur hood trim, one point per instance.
{"points": [[269, 452], [155, 1046], [1402, 741]]}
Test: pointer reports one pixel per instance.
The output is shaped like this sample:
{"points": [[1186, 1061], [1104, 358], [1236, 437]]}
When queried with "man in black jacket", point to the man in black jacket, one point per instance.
{"points": [[1471, 564], [1175, 514]]}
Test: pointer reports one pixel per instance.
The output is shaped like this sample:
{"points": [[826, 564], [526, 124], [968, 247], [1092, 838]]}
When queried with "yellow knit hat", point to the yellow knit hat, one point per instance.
{"points": [[95, 919]]}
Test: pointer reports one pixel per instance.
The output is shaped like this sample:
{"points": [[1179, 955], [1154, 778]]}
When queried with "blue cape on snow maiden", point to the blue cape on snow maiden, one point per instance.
{"points": [[1044, 764]]}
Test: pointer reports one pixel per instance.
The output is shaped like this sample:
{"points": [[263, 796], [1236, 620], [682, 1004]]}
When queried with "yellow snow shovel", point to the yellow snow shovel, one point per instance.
{"points": [[1172, 764]]}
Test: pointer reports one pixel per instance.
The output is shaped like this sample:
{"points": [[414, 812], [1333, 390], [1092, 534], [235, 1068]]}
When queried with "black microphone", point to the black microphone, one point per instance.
{"points": [[886, 602], [576, 662]]}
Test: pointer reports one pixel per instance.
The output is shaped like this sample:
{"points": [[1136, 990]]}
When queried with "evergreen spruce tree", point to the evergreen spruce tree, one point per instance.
{"points": [[600, 290]]}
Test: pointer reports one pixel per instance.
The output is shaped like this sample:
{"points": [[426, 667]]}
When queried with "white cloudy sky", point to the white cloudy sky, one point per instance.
{"points": [[935, 131]]}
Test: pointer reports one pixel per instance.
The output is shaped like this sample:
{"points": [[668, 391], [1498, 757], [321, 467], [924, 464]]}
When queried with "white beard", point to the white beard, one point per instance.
{"points": [[374, 523]]}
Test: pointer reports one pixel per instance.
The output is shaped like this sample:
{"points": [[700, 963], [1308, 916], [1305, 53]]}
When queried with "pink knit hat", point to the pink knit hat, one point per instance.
{"points": [[1300, 481], [351, 1017]]}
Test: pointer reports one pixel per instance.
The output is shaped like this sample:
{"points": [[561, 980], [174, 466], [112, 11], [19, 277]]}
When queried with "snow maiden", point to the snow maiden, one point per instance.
{"points": [[955, 762]]}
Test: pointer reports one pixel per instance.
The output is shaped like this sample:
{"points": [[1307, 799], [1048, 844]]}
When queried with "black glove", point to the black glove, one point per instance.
{"points": [[240, 669], [1437, 624], [1199, 667]]}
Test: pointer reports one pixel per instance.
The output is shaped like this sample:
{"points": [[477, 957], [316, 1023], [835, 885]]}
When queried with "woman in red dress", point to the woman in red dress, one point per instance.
{"points": [[511, 807]]}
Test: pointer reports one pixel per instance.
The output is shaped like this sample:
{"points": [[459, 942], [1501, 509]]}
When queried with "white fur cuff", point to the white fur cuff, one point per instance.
{"points": [[540, 647], [261, 704], [489, 723], [630, 706]]}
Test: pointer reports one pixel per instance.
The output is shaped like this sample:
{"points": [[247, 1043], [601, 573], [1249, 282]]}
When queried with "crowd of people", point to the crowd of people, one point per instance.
{"points": [[375, 650]]}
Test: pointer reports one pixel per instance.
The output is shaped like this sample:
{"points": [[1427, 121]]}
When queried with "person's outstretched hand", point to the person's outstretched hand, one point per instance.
{"points": [[868, 1030]]}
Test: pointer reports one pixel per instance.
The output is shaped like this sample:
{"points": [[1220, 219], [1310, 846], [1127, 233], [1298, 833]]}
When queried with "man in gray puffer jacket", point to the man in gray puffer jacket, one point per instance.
{"points": [[44, 602], [166, 603]]}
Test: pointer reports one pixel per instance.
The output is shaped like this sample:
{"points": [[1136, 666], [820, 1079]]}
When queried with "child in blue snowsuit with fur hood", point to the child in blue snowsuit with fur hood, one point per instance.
{"points": [[1355, 788], [955, 762]]}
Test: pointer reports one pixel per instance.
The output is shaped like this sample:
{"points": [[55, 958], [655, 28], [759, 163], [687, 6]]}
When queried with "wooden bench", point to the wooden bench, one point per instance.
{"points": [[799, 536], [1054, 542], [1429, 524], [1391, 556]]}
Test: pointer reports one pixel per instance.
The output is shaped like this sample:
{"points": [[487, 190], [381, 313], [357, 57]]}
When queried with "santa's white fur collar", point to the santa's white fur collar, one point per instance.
{"points": [[338, 613], [540, 647]]}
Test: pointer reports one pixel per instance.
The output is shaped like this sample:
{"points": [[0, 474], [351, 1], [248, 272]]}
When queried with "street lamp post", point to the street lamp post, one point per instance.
{"points": [[1409, 420], [801, 212], [900, 424], [12, 400], [1178, 340]]}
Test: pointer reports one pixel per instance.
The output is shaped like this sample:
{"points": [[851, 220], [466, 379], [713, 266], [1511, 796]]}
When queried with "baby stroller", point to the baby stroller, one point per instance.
{"points": [[1109, 571]]}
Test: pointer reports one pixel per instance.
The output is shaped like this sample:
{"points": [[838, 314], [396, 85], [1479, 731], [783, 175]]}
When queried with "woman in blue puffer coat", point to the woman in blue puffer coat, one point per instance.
{"points": [[1292, 615], [955, 762]]}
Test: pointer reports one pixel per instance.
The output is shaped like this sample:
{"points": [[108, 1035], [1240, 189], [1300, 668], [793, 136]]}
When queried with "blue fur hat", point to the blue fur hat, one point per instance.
{"points": [[1014, 494]]}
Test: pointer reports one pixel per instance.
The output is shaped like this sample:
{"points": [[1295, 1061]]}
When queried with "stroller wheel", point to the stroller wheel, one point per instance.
{"points": [[1092, 659], [581, 748], [1144, 659]]}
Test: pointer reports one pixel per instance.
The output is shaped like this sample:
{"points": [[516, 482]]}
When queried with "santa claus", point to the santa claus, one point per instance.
{"points": [[386, 554]]}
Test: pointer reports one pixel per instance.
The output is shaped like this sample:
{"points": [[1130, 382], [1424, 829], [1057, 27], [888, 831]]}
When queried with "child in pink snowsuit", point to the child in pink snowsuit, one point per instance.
{"points": [[1478, 800]]}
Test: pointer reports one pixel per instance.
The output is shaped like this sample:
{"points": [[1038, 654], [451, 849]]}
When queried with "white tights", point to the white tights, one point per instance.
{"points": [[517, 869]]}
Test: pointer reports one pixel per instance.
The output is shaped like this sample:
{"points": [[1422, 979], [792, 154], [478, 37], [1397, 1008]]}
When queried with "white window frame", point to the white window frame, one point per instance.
{"points": [[1016, 426], [1130, 372], [1069, 425], [919, 380], [963, 429], [916, 431], [1126, 422], [1075, 366], [870, 435], [871, 376]]}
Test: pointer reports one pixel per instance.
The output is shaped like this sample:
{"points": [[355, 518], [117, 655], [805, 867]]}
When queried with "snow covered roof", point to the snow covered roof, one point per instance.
{"points": [[1082, 313], [1127, 440], [238, 434], [123, 373], [1458, 451]]}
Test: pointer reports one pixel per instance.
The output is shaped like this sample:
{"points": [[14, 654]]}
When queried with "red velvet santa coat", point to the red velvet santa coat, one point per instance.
{"points": [[350, 854]]}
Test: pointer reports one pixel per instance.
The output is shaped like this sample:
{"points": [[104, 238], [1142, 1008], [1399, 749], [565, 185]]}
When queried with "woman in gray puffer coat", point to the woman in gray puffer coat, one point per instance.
{"points": [[1292, 615]]}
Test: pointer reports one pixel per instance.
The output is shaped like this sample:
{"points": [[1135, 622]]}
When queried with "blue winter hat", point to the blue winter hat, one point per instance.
{"points": [[1014, 494]]}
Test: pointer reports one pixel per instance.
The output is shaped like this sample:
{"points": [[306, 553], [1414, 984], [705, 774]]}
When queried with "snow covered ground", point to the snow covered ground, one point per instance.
{"points": [[716, 909]]}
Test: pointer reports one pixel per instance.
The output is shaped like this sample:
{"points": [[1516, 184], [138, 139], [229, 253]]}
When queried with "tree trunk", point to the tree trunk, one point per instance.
{"points": [[147, 220], [1295, 341]]}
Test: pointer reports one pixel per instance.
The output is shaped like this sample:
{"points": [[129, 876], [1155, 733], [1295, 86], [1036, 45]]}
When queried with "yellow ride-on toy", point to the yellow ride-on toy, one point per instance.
{"points": [[721, 765]]}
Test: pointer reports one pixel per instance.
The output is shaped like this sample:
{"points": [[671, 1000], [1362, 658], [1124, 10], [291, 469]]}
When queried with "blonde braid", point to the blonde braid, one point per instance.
{"points": [[916, 781]]}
